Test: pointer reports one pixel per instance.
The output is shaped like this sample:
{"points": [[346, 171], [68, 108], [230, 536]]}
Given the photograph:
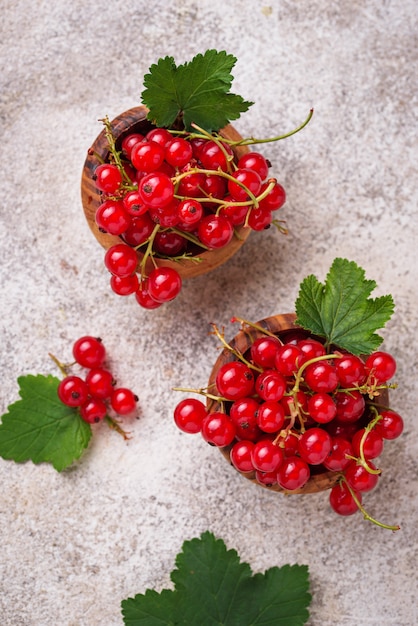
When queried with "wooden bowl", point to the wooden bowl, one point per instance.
{"points": [[134, 121], [280, 325]]}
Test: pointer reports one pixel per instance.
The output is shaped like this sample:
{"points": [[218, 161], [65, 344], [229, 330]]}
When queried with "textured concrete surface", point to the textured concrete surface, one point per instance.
{"points": [[73, 545]]}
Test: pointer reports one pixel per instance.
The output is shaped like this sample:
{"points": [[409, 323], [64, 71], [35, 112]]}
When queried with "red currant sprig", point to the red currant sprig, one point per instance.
{"points": [[286, 410], [96, 396]]}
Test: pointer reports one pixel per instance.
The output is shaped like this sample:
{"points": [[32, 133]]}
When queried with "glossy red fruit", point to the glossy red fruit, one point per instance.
{"points": [[342, 501], [240, 456], [89, 351], [235, 380], [123, 401], [189, 415], [164, 284], [293, 473], [218, 429]]}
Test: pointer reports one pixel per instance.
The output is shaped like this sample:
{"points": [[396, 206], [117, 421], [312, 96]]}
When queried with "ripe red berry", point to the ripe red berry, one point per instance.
{"points": [[293, 473], [218, 429], [235, 380], [321, 376], [314, 445], [147, 156], [123, 401], [100, 383], [156, 189], [121, 260], [381, 365], [342, 501], [243, 413], [93, 411], [266, 456], [189, 415], [390, 426], [164, 284], [270, 385], [215, 231], [263, 351], [89, 351], [72, 391], [240, 456], [107, 178]]}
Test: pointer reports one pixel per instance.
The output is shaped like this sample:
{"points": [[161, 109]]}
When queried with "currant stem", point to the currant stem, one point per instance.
{"points": [[235, 352], [148, 251], [113, 424], [364, 512], [253, 140], [112, 149], [203, 392], [62, 366], [252, 325]]}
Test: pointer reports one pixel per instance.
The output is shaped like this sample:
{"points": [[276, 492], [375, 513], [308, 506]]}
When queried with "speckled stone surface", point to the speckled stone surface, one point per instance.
{"points": [[73, 545]]}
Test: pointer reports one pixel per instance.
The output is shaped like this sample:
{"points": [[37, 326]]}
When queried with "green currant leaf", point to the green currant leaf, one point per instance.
{"points": [[40, 428], [213, 587], [341, 310], [195, 92]]}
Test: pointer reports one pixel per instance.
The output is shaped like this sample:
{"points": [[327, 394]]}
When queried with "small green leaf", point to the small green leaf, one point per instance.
{"points": [[213, 587], [40, 428], [341, 310], [195, 92]]}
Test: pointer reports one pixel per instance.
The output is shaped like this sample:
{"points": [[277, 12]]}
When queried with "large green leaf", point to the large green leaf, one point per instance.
{"points": [[214, 588], [341, 310], [40, 428]]}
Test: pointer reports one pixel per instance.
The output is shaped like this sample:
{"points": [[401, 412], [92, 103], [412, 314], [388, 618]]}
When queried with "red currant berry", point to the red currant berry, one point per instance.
{"points": [[290, 443], [191, 185], [178, 152], [215, 231], [214, 186], [338, 457], [259, 218], [350, 370], [268, 479], [235, 380], [147, 156], [321, 376], [359, 478], [93, 411], [164, 284], [218, 429], [190, 211], [89, 351], [381, 365], [243, 414], [266, 456], [240, 456], [111, 217], [248, 182], [342, 501], [123, 401], [288, 359], [72, 391], [322, 408], [270, 416], [214, 157], [159, 135], [372, 444], [233, 213], [128, 143], [293, 473], [133, 204], [107, 178], [189, 415], [270, 385], [156, 189], [100, 383], [167, 216], [121, 260], [275, 199], [143, 297], [350, 405], [263, 351], [124, 285], [390, 426], [169, 243], [254, 161], [314, 445], [311, 348], [139, 231]]}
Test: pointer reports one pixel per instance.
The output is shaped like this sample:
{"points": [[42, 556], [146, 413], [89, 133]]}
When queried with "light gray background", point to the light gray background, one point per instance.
{"points": [[73, 545]]}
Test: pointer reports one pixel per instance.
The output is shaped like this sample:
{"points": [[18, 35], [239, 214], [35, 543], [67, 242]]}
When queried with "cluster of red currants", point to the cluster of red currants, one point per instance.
{"points": [[288, 411], [97, 394], [171, 196]]}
